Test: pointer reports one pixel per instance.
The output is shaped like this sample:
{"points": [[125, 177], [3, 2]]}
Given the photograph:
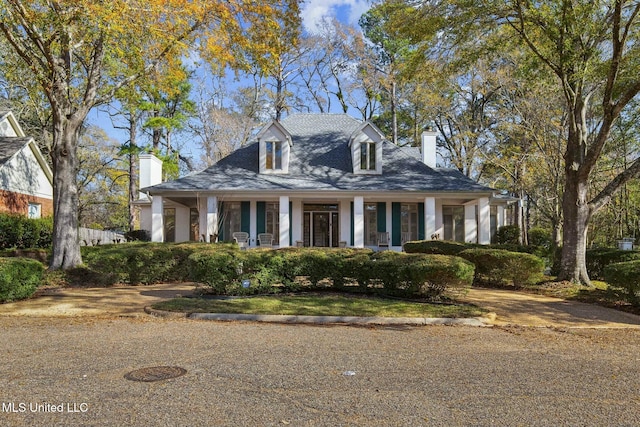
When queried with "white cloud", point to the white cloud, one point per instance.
{"points": [[348, 11]]}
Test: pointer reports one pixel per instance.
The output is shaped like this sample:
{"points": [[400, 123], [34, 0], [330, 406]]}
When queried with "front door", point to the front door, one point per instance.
{"points": [[321, 228]]}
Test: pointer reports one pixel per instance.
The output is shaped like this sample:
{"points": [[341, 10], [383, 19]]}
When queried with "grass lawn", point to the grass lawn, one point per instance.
{"points": [[319, 305]]}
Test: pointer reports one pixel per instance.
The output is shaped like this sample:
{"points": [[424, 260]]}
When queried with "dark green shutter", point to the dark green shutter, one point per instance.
{"points": [[421, 235], [261, 220], [382, 216], [221, 222], [396, 225], [352, 224], [245, 216], [290, 223]]}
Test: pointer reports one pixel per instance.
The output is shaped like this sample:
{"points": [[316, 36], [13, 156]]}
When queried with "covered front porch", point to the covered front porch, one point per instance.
{"points": [[310, 220]]}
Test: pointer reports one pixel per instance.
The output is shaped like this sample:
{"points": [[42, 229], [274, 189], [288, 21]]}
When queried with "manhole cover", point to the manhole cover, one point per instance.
{"points": [[155, 373]]}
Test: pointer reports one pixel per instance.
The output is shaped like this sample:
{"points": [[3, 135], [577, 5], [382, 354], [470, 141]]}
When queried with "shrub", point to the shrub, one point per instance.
{"points": [[499, 267], [598, 259], [218, 266], [41, 255], [137, 236], [509, 234], [19, 232], [19, 278], [540, 237], [625, 277], [224, 267], [437, 247], [137, 263], [420, 275]]}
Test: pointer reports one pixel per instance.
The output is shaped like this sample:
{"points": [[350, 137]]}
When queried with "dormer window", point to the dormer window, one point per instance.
{"points": [[273, 155], [274, 148], [368, 156], [366, 150]]}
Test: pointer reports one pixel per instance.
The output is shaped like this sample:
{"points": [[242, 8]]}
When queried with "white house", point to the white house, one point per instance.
{"points": [[26, 181], [323, 180]]}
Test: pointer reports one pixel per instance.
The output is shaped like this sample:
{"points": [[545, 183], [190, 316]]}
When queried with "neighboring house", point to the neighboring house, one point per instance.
{"points": [[323, 180], [26, 181]]}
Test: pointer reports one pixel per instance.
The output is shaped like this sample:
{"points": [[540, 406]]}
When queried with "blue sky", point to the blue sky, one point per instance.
{"points": [[349, 11]]}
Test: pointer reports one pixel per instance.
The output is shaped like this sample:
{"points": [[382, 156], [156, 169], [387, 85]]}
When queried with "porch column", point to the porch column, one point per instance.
{"points": [[284, 222], [470, 223], [500, 222], [429, 217], [157, 219], [484, 221], [202, 219], [358, 222], [210, 226], [296, 218]]}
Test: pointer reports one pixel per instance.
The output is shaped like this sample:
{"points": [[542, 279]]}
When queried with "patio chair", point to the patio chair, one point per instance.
{"points": [[265, 240], [242, 239], [383, 239], [405, 237]]}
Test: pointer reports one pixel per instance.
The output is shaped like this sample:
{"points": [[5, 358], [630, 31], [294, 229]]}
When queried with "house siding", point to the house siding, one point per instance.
{"points": [[18, 203]]}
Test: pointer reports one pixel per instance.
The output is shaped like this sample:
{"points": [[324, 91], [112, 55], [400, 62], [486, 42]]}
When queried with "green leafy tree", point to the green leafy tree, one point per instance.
{"points": [[592, 50], [80, 52]]}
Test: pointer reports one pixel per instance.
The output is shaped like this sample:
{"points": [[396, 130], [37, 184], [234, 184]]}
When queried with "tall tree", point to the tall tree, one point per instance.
{"points": [[390, 51], [593, 50], [81, 51], [102, 181]]}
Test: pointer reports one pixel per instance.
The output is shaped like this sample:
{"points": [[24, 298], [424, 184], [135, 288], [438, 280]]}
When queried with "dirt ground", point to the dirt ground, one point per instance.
{"points": [[511, 308]]}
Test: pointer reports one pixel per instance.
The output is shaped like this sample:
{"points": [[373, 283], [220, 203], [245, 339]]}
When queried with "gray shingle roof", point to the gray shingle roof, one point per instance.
{"points": [[10, 146], [320, 160]]}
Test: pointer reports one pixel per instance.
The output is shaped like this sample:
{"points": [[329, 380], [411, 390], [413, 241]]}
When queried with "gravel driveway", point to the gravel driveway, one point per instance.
{"points": [[246, 374]]}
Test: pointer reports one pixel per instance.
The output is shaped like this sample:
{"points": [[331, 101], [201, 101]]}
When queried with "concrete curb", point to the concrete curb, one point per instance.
{"points": [[166, 314], [322, 320], [350, 320]]}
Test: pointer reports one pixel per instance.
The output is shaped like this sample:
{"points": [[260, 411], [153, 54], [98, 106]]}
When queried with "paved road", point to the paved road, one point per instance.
{"points": [[247, 374]]}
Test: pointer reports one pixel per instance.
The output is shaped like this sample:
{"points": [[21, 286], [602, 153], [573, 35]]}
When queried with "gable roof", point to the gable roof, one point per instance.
{"points": [[8, 117], [9, 146], [320, 160], [279, 127]]}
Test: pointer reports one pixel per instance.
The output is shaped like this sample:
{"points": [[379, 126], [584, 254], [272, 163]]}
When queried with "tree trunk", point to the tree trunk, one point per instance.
{"points": [[66, 248], [394, 114], [556, 234], [133, 171], [576, 215]]}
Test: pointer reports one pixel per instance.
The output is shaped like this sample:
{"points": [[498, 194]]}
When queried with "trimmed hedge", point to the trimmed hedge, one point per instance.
{"points": [[625, 277], [455, 248], [421, 275], [508, 234], [19, 232], [41, 255], [500, 267], [138, 263], [19, 278], [437, 247], [598, 259], [224, 267]]}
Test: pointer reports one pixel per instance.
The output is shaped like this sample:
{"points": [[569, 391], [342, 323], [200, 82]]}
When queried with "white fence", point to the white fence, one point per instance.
{"points": [[91, 237]]}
